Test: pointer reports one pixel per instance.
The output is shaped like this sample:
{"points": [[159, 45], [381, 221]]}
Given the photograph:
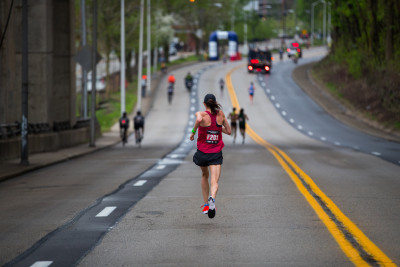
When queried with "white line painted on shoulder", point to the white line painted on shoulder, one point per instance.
{"points": [[277, 105], [284, 113], [42, 264], [142, 182], [272, 98], [376, 153], [106, 211], [160, 167], [323, 138], [310, 133]]}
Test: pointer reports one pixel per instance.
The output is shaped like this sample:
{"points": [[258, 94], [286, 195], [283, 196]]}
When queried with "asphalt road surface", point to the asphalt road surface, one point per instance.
{"points": [[286, 197]]}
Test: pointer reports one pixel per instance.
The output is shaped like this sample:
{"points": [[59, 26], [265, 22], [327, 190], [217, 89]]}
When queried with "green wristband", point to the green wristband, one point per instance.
{"points": [[193, 131]]}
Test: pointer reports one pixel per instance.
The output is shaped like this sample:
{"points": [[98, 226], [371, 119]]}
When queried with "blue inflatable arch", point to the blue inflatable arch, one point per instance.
{"points": [[233, 47]]}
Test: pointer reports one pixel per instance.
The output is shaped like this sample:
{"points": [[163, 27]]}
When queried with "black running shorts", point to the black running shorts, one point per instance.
{"points": [[206, 159]]}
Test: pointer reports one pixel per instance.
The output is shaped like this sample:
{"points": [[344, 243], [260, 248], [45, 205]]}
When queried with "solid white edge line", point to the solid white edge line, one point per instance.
{"points": [[140, 182], [106, 211], [160, 167], [42, 264]]}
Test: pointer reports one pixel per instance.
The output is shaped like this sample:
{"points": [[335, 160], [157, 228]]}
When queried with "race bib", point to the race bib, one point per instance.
{"points": [[212, 137]]}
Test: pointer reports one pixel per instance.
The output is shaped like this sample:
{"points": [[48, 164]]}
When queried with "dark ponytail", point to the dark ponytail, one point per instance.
{"points": [[213, 105]]}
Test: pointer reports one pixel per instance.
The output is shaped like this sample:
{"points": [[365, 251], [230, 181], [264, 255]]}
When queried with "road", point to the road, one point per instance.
{"points": [[286, 198]]}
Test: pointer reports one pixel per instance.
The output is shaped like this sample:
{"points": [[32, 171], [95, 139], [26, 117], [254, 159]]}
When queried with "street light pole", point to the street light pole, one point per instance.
{"points": [[94, 53], [324, 22], [148, 86], [24, 91], [329, 24], [122, 76], [84, 109], [139, 93]]}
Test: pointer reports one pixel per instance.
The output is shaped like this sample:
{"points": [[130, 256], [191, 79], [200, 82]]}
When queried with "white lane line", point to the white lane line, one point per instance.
{"points": [[291, 120], [268, 91], [273, 98], [376, 153], [193, 100], [310, 133], [142, 182], [42, 264], [174, 156], [192, 109], [277, 105], [300, 127], [284, 113], [192, 116], [323, 138], [337, 143], [160, 167], [263, 84], [106, 211]]}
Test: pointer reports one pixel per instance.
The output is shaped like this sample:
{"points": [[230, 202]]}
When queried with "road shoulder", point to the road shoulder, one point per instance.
{"points": [[351, 117]]}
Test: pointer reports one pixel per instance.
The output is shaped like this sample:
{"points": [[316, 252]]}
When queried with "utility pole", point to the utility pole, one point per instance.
{"points": [[148, 48], [94, 53], [139, 91], [122, 72], [84, 109], [24, 92]]}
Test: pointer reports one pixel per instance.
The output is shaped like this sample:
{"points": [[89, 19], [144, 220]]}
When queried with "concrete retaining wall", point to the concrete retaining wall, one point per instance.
{"points": [[46, 142]]}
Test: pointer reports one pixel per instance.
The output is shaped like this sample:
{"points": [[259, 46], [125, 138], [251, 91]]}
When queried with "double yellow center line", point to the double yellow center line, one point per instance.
{"points": [[354, 243]]}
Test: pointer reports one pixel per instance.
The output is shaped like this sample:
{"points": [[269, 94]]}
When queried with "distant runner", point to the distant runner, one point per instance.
{"points": [[221, 86], [233, 116], [242, 123], [211, 124], [251, 92]]}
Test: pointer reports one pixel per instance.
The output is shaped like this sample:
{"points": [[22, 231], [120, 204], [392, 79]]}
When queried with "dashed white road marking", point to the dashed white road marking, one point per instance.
{"points": [[192, 108], [300, 127], [337, 143], [193, 100], [323, 138], [106, 211], [272, 98], [268, 91], [284, 113], [277, 105], [376, 153], [310, 133], [160, 167], [142, 182], [42, 264], [291, 120], [174, 156]]}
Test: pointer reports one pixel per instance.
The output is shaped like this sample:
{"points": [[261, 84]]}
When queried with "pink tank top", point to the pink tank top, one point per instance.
{"points": [[209, 138]]}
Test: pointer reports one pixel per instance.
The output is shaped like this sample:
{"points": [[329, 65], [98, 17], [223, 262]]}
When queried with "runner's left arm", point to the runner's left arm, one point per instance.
{"points": [[199, 118]]}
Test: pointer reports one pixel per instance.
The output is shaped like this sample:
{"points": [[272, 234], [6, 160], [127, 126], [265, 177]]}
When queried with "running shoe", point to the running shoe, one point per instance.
{"points": [[205, 208], [211, 205]]}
